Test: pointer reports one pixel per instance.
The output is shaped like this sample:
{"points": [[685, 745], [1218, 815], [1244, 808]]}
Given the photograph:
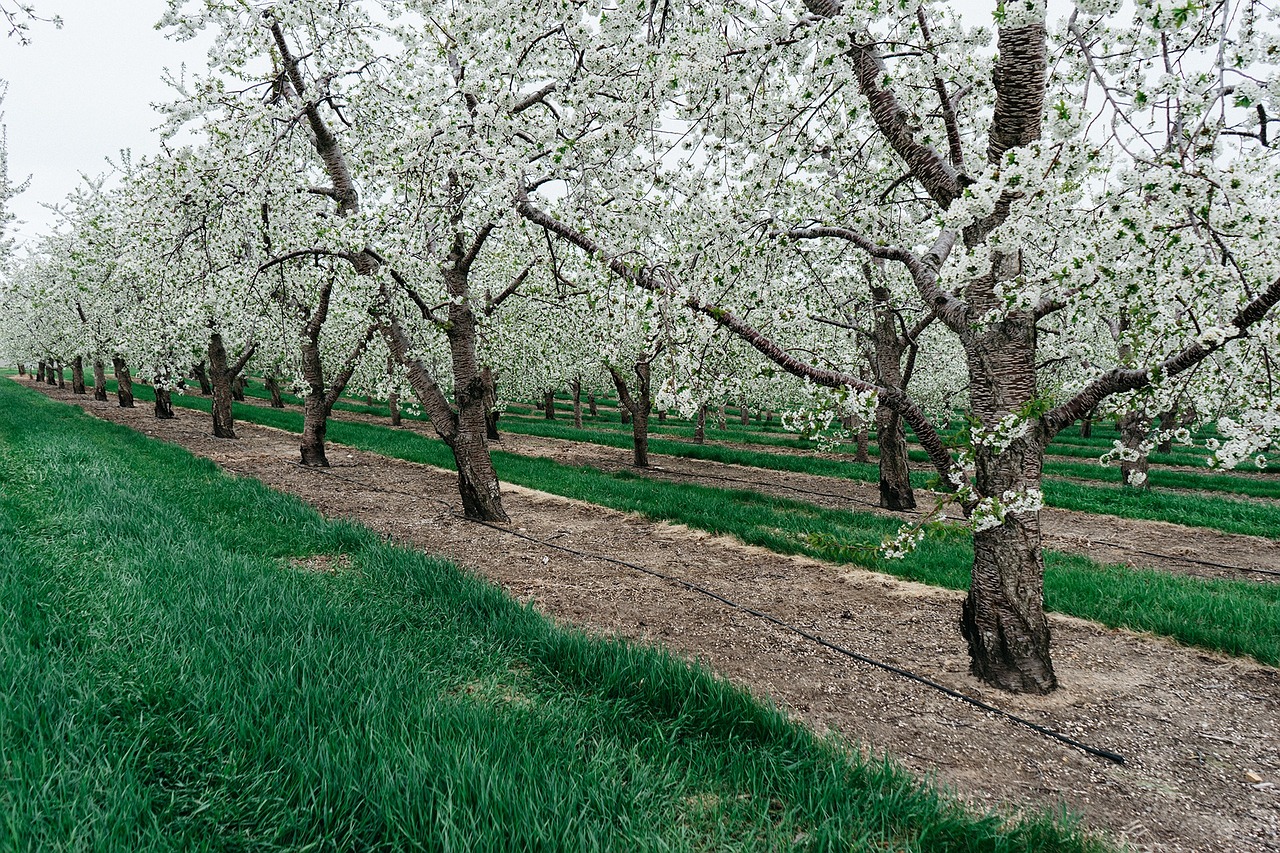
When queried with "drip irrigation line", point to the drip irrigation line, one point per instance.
{"points": [[1106, 754], [1185, 559]]}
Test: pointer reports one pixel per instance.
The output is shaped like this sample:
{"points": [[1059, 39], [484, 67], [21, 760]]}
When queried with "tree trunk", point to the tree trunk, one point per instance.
{"points": [[51, 373], [99, 381], [745, 414], [700, 428], [164, 403], [637, 407], [549, 405], [40, 369], [1003, 617], [895, 479], [393, 403], [722, 419], [624, 415], [662, 415], [77, 375], [202, 376], [591, 405], [463, 430], [862, 452], [273, 387], [124, 385], [22, 369], [1086, 427], [315, 425], [316, 406], [477, 480], [237, 388], [491, 413], [224, 422], [1133, 432], [1168, 423], [62, 376], [577, 402]]}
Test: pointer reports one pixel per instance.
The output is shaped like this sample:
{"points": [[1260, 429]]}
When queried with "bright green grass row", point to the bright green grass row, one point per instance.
{"points": [[1238, 617], [1214, 513], [173, 684]]}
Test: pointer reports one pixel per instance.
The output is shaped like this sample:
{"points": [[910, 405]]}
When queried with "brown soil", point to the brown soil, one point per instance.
{"points": [[1200, 732], [1104, 538]]}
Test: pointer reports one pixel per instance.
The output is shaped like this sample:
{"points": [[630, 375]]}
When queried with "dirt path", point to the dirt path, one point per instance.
{"points": [[1200, 732], [1064, 530]]}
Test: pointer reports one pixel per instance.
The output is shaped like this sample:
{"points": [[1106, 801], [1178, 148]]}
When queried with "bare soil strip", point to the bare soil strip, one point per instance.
{"points": [[1200, 732], [1064, 530]]}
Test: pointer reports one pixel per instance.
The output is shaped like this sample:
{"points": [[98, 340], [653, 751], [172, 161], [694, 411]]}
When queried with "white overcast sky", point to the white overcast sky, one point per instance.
{"points": [[82, 93]]}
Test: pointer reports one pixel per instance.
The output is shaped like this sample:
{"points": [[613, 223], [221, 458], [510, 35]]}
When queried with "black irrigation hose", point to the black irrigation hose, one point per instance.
{"points": [[1186, 559], [773, 620]]}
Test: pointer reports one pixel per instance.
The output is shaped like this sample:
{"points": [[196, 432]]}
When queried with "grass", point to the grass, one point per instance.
{"points": [[1207, 511], [172, 682], [1236, 617]]}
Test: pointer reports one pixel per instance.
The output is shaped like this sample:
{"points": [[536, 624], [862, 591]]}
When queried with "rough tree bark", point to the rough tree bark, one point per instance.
{"points": [[744, 414], [322, 393], [22, 369], [77, 375], [202, 376], [637, 406], [40, 370], [891, 438], [549, 405], [164, 401], [591, 405], [1168, 423], [1134, 427], [99, 381], [124, 384], [272, 384], [224, 423], [576, 385], [700, 426], [491, 413], [61, 371]]}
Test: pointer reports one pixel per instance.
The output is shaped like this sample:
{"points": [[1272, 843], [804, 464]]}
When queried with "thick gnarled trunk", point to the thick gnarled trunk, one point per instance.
{"points": [[272, 383], [635, 408], [1003, 618], [124, 383], [77, 375], [891, 437], [202, 376], [164, 402], [99, 381], [224, 422]]}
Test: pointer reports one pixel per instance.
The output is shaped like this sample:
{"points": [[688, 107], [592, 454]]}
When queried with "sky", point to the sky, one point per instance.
{"points": [[82, 93]]}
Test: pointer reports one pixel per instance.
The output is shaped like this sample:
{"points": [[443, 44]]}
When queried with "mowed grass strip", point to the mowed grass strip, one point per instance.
{"points": [[1236, 617], [182, 671]]}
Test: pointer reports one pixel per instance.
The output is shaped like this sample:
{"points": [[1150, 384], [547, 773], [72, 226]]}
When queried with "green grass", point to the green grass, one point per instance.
{"points": [[1207, 511], [172, 683], [1237, 617]]}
